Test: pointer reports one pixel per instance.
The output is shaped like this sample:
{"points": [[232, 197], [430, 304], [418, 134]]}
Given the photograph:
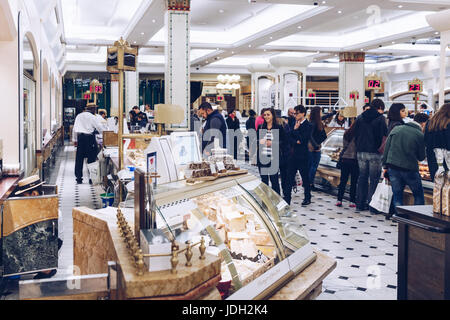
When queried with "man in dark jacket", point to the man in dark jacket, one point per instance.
{"points": [[299, 137], [405, 147], [370, 128], [215, 127]]}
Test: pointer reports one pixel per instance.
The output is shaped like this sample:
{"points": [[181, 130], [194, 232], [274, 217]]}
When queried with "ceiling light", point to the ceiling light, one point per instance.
{"points": [[393, 42], [340, 11], [323, 2], [154, 20], [318, 52], [271, 38], [265, 50], [142, 33], [221, 11], [362, 49], [232, 52], [299, 27], [206, 61], [437, 32], [400, 6], [249, 45], [134, 42]]}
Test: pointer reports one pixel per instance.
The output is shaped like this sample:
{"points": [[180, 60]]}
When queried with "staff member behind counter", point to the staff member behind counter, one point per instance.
{"points": [[84, 129]]}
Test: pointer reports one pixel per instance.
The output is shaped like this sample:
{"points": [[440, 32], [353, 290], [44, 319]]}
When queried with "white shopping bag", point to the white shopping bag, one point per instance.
{"points": [[94, 172], [381, 199]]}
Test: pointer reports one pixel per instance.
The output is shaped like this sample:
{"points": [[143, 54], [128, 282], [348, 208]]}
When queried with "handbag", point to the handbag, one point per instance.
{"points": [[339, 163], [381, 199], [382, 146]]}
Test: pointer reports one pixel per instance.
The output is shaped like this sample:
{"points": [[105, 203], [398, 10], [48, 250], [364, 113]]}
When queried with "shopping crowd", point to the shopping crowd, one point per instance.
{"points": [[374, 147]]}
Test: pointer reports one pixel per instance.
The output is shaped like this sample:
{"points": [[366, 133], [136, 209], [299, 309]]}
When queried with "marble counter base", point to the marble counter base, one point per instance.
{"points": [[32, 248], [97, 241]]}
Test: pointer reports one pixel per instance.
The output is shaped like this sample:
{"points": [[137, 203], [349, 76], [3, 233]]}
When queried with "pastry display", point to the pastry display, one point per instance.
{"points": [[241, 231], [200, 170]]}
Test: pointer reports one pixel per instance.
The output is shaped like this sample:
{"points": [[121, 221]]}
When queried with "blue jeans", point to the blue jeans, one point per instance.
{"points": [[369, 175], [399, 179], [314, 160]]}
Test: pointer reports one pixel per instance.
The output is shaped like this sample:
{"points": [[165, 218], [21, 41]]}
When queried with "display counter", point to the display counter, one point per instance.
{"points": [[47, 154], [258, 242], [327, 170], [423, 254]]}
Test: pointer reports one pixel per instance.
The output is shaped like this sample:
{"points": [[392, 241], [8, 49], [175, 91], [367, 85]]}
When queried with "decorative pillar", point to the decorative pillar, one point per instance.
{"points": [[351, 78], [440, 21], [114, 108], [177, 52], [131, 88], [286, 65]]}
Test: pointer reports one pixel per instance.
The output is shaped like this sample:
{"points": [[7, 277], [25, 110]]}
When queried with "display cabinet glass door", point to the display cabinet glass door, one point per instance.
{"points": [[234, 227], [29, 124]]}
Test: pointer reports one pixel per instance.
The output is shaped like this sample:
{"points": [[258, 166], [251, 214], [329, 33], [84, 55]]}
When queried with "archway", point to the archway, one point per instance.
{"points": [[30, 67]]}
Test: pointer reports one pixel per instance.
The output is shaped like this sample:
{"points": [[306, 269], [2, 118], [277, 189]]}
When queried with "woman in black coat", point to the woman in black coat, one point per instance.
{"points": [[437, 136], [272, 149]]}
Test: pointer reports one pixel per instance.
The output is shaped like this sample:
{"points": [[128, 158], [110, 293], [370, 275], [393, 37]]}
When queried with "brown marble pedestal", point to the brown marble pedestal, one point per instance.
{"points": [[97, 241]]}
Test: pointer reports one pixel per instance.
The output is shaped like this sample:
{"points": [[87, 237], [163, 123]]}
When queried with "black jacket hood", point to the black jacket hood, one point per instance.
{"points": [[370, 115]]}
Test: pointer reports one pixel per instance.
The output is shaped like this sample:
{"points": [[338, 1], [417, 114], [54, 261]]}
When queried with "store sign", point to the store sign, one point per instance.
{"points": [[96, 88], [87, 95]]}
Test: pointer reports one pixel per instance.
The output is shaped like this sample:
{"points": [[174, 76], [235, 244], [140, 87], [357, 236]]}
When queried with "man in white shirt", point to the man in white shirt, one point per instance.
{"points": [[84, 137]]}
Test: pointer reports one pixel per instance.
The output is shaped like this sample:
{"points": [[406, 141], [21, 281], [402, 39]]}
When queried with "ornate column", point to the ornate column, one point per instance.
{"points": [[177, 52], [351, 78], [131, 88], [114, 108], [441, 22]]}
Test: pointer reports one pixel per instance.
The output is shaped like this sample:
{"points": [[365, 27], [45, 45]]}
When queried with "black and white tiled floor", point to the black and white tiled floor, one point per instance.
{"points": [[364, 246], [72, 195]]}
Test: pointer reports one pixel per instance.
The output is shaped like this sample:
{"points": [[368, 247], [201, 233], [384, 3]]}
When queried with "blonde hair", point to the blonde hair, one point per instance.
{"points": [[441, 119]]}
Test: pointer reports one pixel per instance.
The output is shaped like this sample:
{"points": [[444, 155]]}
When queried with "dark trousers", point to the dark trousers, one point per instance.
{"points": [[314, 160], [274, 180], [302, 165], [286, 181], [349, 168], [399, 179], [86, 148]]}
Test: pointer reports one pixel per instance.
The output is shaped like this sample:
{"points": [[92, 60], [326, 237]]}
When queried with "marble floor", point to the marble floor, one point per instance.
{"points": [[364, 245]]}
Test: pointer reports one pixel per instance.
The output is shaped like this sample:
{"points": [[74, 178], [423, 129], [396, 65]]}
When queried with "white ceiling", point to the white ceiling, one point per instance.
{"points": [[223, 30]]}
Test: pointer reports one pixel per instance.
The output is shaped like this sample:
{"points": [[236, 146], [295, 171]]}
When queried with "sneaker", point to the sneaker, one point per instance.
{"points": [[352, 205], [306, 202], [339, 204]]}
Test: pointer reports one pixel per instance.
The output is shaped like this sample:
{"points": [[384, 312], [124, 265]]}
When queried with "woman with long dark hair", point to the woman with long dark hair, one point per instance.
{"points": [[318, 135], [437, 136], [349, 167], [397, 112], [272, 143]]}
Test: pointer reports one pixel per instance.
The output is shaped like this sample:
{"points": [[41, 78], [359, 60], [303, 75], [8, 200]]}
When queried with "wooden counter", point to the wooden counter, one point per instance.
{"points": [[7, 186], [423, 254]]}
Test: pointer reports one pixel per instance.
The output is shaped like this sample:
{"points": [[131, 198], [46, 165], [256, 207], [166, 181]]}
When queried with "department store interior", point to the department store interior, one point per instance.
{"points": [[112, 188]]}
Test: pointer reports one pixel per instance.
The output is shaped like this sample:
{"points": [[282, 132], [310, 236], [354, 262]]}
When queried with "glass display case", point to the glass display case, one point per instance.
{"points": [[258, 237], [332, 147]]}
